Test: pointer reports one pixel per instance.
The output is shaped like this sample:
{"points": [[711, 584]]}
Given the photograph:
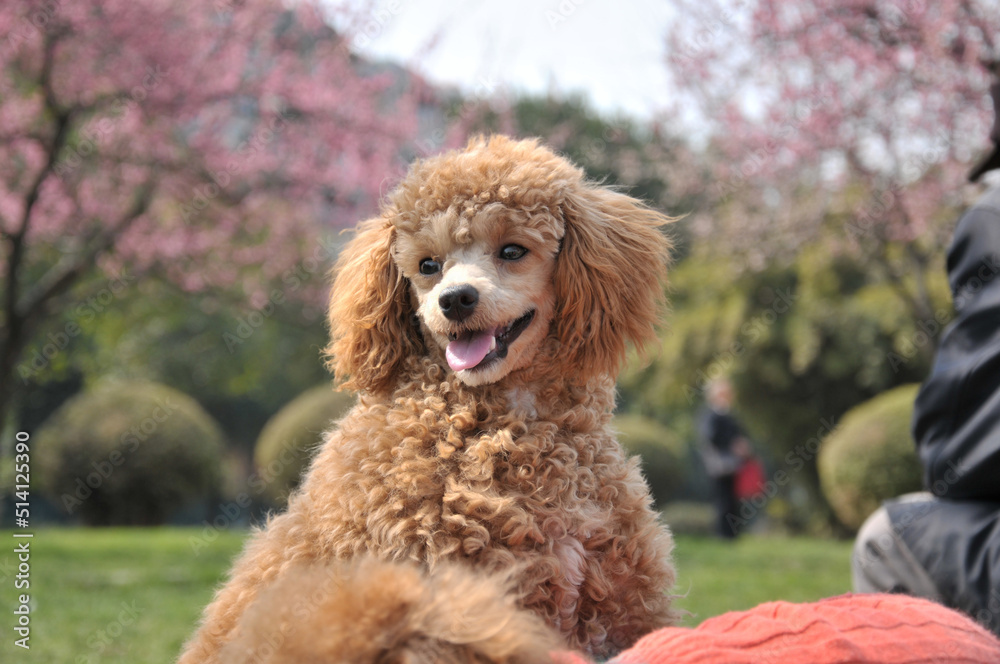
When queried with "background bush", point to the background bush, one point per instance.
{"points": [[662, 452], [290, 438], [127, 453], [686, 517], [870, 456]]}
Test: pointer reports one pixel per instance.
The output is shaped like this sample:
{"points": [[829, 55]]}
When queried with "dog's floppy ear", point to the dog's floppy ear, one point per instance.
{"points": [[610, 278], [371, 327]]}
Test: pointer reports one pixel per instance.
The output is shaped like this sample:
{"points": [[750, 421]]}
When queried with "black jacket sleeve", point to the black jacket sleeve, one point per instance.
{"points": [[956, 425], [956, 419]]}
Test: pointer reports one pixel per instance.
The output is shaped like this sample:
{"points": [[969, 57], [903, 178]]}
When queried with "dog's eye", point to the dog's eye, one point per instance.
{"points": [[512, 252], [429, 266]]}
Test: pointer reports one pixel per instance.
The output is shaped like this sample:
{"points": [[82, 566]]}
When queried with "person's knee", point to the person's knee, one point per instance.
{"points": [[873, 546], [876, 538]]}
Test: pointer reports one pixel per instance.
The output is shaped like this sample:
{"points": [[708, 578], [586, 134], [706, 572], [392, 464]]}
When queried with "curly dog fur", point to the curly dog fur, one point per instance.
{"points": [[482, 430], [364, 611]]}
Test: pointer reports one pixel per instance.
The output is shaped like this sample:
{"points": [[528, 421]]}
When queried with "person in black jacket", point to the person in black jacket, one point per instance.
{"points": [[944, 544], [724, 448]]}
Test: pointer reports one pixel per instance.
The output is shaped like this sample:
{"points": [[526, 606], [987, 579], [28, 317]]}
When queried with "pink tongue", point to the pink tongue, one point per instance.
{"points": [[468, 351]]}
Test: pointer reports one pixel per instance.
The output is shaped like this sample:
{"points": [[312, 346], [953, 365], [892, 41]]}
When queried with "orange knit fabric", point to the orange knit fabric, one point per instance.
{"points": [[849, 629]]}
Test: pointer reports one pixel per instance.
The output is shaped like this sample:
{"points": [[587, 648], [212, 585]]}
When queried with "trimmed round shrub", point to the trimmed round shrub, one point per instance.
{"points": [[127, 453], [870, 456], [688, 517], [290, 438], [660, 450]]}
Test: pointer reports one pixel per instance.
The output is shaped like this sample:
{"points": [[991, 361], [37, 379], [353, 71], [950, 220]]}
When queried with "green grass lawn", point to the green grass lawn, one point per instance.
{"points": [[113, 595], [133, 595], [722, 576]]}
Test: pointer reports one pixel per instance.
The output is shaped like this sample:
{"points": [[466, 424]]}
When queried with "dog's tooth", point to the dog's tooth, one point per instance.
{"points": [[493, 343]]}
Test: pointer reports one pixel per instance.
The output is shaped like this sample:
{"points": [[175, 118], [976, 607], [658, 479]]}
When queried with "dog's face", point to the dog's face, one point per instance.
{"points": [[491, 254], [483, 285]]}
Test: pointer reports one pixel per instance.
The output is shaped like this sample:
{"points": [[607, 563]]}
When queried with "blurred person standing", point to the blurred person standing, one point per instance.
{"points": [[724, 448]]}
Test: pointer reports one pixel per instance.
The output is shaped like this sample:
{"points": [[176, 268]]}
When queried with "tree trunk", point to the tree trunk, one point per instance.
{"points": [[11, 346]]}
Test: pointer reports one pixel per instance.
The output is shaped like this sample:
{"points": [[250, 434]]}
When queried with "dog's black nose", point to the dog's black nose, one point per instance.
{"points": [[458, 302]]}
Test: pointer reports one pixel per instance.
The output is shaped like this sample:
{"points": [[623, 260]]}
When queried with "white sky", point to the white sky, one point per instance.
{"points": [[610, 50]]}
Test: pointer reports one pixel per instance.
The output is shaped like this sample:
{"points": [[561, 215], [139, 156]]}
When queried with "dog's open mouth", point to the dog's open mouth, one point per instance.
{"points": [[474, 349]]}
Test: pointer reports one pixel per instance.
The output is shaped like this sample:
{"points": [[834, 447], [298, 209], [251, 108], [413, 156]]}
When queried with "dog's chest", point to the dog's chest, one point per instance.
{"points": [[521, 400], [446, 470]]}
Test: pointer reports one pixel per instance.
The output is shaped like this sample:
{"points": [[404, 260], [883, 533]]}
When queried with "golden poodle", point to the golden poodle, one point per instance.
{"points": [[483, 317]]}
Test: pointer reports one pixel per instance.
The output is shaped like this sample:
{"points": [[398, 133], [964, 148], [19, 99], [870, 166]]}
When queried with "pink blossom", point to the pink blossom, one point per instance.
{"points": [[824, 101]]}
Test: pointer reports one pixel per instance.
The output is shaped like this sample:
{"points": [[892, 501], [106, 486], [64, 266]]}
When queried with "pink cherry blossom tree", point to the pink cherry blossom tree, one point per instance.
{"points": [[850, 122], [210, 142]]}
